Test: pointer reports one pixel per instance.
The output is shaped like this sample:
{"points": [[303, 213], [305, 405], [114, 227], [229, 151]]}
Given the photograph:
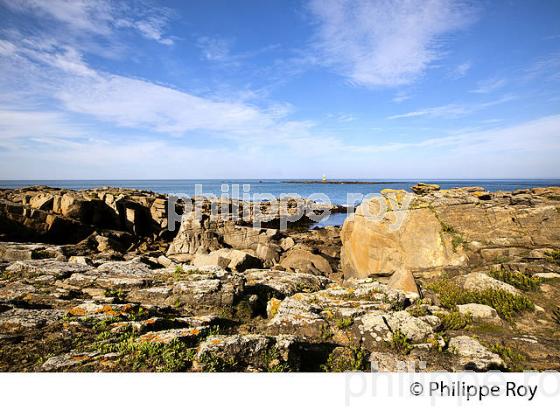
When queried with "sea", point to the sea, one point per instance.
{"points": [[338, 192]]}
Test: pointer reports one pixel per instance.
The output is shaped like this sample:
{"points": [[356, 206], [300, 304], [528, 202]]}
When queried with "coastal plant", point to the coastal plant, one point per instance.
{"points": [[456, 241], [553, 256], [519, 280], [161, 357], [556, 315], [178, 273], [344, 322], [347, 359], [326, 332], [118, 294], [506, 304], [454, 320], [456, 237], [512, 358], [212, 362], [274, 361], [418, 309], [400, 343]]}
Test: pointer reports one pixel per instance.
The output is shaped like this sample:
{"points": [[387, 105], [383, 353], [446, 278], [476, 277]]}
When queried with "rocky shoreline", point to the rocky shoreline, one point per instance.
{"points": [[95, 280]]}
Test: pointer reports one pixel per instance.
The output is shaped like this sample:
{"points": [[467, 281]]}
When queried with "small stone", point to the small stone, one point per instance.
{"points": [[403, 280], [480, 312]]}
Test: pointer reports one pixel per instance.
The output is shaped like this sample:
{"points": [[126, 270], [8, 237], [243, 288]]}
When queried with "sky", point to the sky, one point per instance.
{"points": [[427, 89]]}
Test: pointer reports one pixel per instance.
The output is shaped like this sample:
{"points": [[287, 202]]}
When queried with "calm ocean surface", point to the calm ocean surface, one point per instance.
{"points": [[337, 193]]}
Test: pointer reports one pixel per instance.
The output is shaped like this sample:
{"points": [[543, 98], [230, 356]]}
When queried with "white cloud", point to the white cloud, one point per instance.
{"points": [[528, 150], [545, 68], [385, 43], [19, 124], [214, 48], [487, 86], [7, 48], [461, 70], [452, 110], [401, 96], [136, 103], [62, 76], [99, 17]]}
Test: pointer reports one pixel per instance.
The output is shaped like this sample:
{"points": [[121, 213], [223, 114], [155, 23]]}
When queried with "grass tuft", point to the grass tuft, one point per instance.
{"points": [[513, 359], [400, 343], [506, 304]]}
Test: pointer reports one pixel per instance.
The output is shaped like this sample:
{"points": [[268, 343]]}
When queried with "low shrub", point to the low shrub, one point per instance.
{"points": [[519, 280], [506, 304], [513, 359], [454, 320]]}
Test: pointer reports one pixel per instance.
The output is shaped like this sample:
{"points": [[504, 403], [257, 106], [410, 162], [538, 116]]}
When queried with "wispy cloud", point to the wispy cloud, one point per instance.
{"points": [[385, 43], [546, 68], [401, 96], [18, 124], [63, 76], [488, 86], [214, 48], [461, 70], [452, 110], [342, 117], [99, 17]]}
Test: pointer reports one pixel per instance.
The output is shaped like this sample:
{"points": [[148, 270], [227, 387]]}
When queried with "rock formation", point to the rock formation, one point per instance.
{"points": [[94, 281], [450, 229]]}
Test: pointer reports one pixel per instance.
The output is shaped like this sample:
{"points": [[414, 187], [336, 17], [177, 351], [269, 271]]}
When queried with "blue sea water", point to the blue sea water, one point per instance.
{"points": [[337, 193]]}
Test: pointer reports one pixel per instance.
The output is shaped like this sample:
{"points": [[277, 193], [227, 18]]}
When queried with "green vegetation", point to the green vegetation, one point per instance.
{"points": [[118, 294], [506, 304], [400, 343], [454, 320], [518, 279], [326, 332], [346, 360], [447, 228], [274, 362], [554, 256], [396, 305], [511, 357], [169, 357], [418, 309], [344, 322], [556, 315], [212, 362], [456, 238], [178, 273], [457, 241]]}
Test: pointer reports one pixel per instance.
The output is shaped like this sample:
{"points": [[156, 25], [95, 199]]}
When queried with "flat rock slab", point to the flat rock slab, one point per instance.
{"points": [[34, 268], [282, 283], [173, 335]]}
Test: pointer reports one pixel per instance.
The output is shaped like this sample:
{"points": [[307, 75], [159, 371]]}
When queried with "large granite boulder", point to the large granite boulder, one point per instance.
{"points": [[444, 229]]}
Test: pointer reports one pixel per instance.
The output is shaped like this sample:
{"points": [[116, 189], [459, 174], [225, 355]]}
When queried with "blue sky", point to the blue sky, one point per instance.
{"points": [[276, 89]]}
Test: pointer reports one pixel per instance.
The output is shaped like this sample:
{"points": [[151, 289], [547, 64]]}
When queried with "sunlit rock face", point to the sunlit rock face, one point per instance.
{"points": [[426, 234]]}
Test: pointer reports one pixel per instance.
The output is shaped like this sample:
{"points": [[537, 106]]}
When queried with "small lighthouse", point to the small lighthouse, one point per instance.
{"points": [[324, 178]]}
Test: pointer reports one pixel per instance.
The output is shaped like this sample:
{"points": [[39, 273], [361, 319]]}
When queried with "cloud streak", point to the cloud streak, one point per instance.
{"points": [[488, 86], [385, 43], [452, 110], [99, 17]]}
